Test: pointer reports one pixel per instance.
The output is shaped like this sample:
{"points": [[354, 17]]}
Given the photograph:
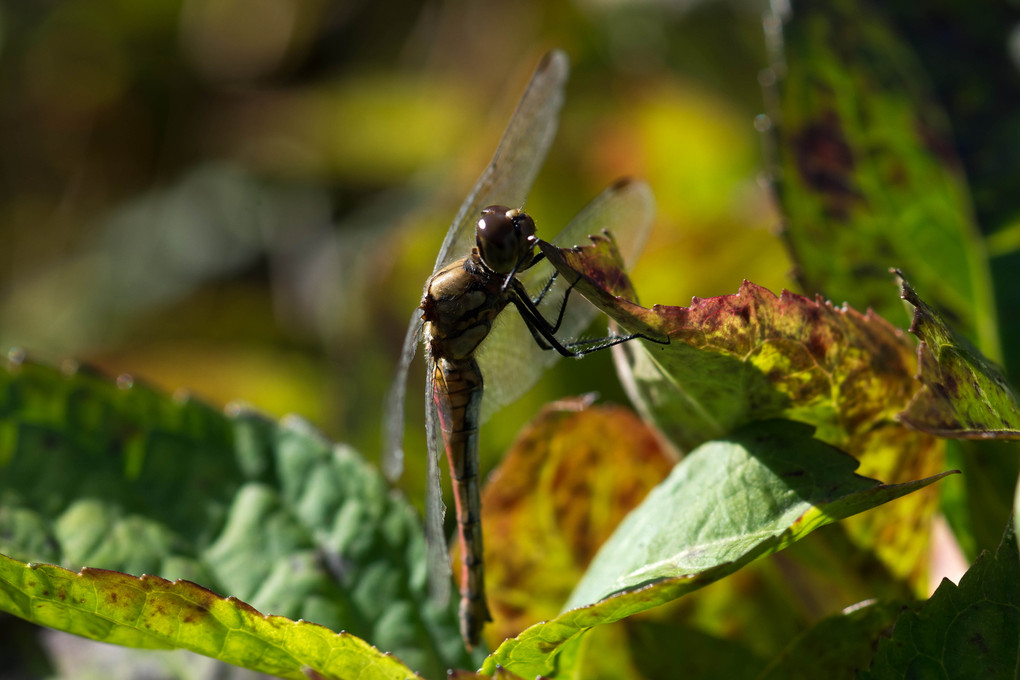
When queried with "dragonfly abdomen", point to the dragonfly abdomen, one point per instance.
{"points": [[458, 396]]}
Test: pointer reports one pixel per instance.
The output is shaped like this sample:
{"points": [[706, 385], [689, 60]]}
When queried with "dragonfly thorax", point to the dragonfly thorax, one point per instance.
{"points": [[460, 304], [506, 239]]}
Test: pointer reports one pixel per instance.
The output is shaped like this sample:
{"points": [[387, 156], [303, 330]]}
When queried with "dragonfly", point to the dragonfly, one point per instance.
{"points": [[488, 263]]}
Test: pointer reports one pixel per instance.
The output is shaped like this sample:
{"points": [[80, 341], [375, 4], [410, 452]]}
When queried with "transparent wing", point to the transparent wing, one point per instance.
{"points": [[509, 359], [507, 181], [393, 422], [437, 554], [518, 157]]}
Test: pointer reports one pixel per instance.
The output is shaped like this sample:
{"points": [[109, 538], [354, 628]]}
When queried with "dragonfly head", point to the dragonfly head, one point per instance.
{"points": [[505, 238]]}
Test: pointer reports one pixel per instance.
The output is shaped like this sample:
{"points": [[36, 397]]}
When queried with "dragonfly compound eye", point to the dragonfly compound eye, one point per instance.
{"points": [[504, 236]]}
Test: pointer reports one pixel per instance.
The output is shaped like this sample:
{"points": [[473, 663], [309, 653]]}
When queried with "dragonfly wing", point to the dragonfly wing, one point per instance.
{"points": [[437, 553], [506, 180], [393, 424], [518, 158], [510, 360], [626, 209]]}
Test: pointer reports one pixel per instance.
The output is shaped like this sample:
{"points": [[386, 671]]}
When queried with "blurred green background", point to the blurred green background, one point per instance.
{"points": [[244, 198]]}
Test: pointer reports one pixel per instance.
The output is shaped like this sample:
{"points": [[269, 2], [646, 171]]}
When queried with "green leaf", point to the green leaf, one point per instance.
{"points": [[500, 674], [723, 500], [703, 656], [967, 631], [836, 647], [153, 613], [986, 135], [963, 393], [866, 174], [728, 503], [122, 477]]}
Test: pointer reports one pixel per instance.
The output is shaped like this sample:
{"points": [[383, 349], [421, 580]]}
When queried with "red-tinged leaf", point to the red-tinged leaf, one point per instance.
{"points": [[734, 359], [737, 358], [963, 393], [153, 613], [572, 475]]}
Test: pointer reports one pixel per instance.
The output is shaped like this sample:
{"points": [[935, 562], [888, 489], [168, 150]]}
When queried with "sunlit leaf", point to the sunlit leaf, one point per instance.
{"points": [[728, 503], [737, 358], [970, 630], [867, 177], [499, 674], [153, 613], [963, 394], [568, 480], [119, 476], [987, 136]]}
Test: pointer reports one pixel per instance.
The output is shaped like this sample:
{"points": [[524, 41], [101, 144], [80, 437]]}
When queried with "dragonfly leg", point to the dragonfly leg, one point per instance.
{"points": [[544, 332], [563, 303], [537, 300], [583, 347], [540, 337], [537, 315]]}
